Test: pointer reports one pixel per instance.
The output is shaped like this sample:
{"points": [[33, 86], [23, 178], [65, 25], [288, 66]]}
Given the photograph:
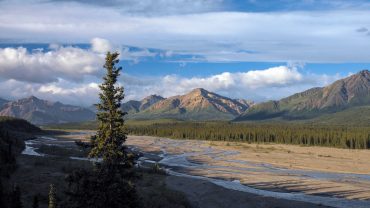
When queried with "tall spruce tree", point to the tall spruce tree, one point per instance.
{"points": [[108, 142], [109, 183]]}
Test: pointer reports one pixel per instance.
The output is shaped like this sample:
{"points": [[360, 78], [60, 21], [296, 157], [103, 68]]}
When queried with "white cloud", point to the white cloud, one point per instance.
{"points": [[312, 36], [83, 94], [100, 45], [69, 63], [42, 67], [276, 76], [135, 56]]}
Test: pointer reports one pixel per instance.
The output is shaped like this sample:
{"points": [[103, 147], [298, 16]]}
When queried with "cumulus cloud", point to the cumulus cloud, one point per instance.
{"points": [[69, 63], [43, 67], [83, 94], [100, 45]]}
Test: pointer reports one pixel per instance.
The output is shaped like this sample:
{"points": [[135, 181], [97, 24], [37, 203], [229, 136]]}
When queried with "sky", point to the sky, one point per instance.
{"points": [[252, 49]]}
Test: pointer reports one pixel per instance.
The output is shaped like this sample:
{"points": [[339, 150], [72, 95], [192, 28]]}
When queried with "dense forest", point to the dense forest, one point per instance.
{"points": [[12, 133], [284, 133]]}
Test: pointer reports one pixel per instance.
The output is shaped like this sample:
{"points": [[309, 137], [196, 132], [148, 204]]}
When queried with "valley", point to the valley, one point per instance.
{"points": [[302, 175], [184, 104]]}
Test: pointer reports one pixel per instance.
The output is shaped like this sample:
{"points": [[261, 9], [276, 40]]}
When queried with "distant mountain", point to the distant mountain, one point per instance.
{"points": [[39, 111], [199, 104], [134, 106], [342, 95], [2, 102]]}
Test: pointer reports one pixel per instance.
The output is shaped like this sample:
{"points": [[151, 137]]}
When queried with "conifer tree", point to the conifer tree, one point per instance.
{"points": [[52, 197], [108, 142], [109, 183]]}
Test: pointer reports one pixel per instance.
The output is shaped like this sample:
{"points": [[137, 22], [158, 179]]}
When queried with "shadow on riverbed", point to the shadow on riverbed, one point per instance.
{"points": [[47, 160]]}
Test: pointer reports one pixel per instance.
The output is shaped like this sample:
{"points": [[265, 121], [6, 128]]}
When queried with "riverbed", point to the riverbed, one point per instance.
{"points": [[234, 168]]}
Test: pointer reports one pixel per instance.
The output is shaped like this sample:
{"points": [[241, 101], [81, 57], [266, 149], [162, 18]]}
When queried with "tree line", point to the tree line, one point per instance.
{"points": [[298, 134]]}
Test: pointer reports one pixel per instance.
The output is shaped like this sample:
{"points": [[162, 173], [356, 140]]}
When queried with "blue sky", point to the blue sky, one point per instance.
{"points": [[250, 49]]}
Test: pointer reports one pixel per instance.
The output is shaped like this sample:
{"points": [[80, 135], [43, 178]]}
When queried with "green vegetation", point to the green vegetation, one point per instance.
{"points": [[17, 125], [109, 184], [284, 133], [111, 133], [93, 125], [355, 116], [312, 133], [12, 133]]}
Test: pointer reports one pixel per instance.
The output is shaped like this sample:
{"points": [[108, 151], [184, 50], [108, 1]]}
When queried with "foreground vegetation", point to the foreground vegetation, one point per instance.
{"points": [[12, 134]]}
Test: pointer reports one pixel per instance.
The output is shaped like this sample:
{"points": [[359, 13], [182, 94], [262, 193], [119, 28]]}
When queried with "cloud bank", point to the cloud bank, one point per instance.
{"points": [[308, 36], [259, 85]]}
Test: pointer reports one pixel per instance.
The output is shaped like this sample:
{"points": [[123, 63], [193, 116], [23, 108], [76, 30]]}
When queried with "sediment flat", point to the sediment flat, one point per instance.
{"points": [[336, 176]]}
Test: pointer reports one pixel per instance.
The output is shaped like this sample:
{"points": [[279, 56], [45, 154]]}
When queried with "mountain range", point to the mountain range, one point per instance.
{"points": [[41, 112], [199, 104], [344, 101], [344, 97]]}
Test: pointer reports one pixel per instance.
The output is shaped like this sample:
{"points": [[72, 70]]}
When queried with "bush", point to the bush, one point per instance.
{"points": [[103, 187]]}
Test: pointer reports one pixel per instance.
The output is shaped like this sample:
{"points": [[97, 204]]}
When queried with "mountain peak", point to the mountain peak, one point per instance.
{"points": [[151, 97], [364, 73], [199, 91], [149, 101], [32, 97]]}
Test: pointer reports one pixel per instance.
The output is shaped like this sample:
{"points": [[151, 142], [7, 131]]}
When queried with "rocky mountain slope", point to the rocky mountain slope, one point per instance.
{"points": [[199, 104], [40, 112], [134, 106], [353, 91]]}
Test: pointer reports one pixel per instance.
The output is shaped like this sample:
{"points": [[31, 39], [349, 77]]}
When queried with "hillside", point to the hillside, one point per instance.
{"points": [[13, 131], [40, 112], [134, 106], [342, 95], [199, 104], [2, 102]]}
